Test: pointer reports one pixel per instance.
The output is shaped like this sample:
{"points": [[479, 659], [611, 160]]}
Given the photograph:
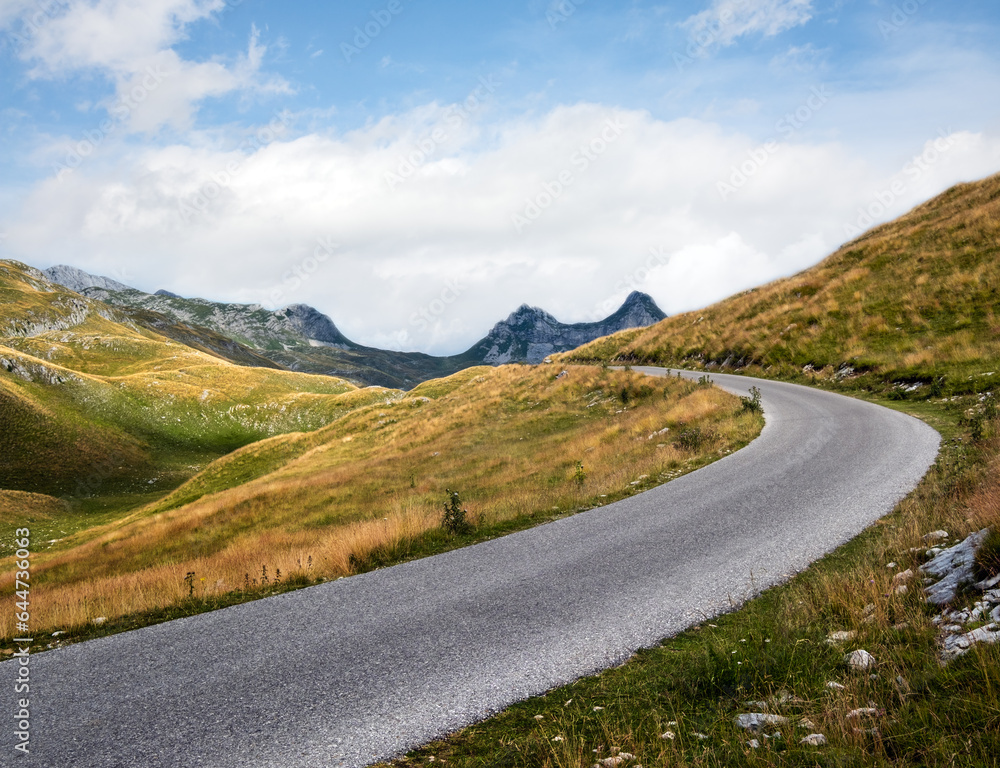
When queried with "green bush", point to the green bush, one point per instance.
{"points": [[455, 520], [752, 404]]}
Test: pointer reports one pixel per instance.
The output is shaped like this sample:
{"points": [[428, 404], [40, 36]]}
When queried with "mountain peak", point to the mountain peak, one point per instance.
{"points": [[77, 280], [531, 334]]}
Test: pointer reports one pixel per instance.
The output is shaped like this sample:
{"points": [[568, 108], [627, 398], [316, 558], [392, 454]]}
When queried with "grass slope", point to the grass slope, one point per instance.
{"points": [[915, 302]]}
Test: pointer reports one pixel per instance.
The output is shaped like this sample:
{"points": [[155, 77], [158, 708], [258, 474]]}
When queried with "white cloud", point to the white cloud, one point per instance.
{"points": [[727, 20], [432, 262], [131, 41]]}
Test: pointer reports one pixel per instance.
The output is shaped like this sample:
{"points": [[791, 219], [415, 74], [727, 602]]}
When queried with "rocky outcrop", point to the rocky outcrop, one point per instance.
{"points": [[78, 280], [530, 334], [302, 338]]}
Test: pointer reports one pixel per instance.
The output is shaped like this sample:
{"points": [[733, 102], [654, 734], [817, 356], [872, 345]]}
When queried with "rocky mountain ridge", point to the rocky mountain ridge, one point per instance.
{"points": [[302, 338]]}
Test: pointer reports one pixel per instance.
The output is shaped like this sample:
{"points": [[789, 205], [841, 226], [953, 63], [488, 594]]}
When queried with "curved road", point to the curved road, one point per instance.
{"points": [[357, 670]]}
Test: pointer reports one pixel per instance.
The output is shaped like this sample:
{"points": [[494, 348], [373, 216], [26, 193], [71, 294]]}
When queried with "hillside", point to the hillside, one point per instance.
{"points": [[915, 302], [301, 338], [93, 404]]}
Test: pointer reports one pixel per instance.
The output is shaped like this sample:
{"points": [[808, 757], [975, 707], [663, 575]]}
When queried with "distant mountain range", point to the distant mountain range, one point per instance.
{"points": [[302, 338]]}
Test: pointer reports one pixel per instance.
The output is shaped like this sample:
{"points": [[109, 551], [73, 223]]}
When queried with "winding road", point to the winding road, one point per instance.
{"points": [[357, 670]]}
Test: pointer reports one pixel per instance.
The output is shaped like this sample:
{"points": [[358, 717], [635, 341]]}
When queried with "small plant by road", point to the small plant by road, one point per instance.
{"points": [[752, 404], [455, 517]]}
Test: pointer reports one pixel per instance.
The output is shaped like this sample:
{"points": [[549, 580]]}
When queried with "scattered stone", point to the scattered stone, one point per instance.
{"points": [[953, 567], [903, 576], [862, 712], [814, 740], [890, 566], [868, 610], [668, 735], [837, 638], [753, 744], [100, 620], [902, 589], [563, 375], [901, 626], [700, 736], [539, 717], [754, 721], [902, 684], [568, 703], [598, 709], [758, 705], [808, 724], [859, 660], [935, 536], [60, 632], [956, 645], [558, 738], [611, 762], [834, 686]]}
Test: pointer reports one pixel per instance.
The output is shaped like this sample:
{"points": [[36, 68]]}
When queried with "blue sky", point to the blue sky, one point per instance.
{"points": [[371, 158]]}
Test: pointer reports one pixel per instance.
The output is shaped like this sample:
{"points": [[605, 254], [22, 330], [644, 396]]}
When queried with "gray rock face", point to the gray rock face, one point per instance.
{"points": [[77, 280], [954, 568], [530, 334]]}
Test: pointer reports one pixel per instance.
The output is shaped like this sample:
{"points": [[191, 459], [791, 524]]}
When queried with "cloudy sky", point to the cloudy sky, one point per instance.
{"points": [[419, 168]]}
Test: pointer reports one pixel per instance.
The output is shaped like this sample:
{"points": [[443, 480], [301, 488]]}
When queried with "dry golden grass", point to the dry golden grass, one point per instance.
{"points": [[508, 439], [914, 299]]}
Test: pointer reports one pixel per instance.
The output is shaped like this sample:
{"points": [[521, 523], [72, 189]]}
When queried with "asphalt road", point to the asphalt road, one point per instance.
{"points": [[357, 670]]}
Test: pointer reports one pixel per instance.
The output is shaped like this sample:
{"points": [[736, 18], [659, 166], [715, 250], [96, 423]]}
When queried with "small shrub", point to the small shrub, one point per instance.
{"points": [[581, 475], [189, 580], [691, 439], [752, 404], [987, 563], [705, 381], [455, 520]]}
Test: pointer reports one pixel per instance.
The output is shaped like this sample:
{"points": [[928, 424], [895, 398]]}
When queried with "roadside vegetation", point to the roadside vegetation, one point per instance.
{"points": [[676, 704]]}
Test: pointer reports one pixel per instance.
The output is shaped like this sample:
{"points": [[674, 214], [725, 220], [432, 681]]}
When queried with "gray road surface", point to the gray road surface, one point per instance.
{"points": [[357, 670]]}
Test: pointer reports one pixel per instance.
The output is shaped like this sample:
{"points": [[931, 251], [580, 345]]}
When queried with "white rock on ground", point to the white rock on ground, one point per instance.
{"points": [[953, 568], [814, 740], [836, 638], [860, 660], [862, 712], [935, 536], [957, 644], [754, 721], [834, 686]]}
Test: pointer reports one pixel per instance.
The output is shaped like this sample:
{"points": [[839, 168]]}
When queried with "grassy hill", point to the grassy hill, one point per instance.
{"points": [[93, 405], [915, 302]]}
